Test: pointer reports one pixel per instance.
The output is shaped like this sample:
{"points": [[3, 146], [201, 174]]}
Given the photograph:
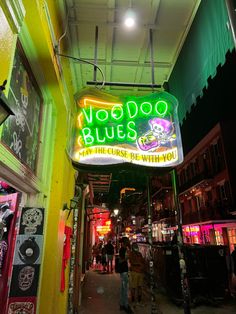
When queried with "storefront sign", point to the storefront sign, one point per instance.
{"points": [[139, 130], [104, 229]]}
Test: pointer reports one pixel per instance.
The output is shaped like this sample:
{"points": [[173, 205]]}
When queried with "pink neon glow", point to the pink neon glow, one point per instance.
{"points": [[207, 227]]}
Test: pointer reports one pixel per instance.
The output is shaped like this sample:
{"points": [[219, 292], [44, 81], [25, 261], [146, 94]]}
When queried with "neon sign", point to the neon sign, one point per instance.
{"points": [[139, 130], [104, 229]]}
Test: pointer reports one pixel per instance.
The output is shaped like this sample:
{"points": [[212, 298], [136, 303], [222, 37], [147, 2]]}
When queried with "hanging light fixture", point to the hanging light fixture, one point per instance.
{"points": [[129, 19], [73, 204], [5, 110]]}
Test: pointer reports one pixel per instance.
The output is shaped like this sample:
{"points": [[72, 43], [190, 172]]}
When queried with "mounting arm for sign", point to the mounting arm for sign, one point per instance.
{"points": [[103, 83], [124, 84], [84, 61]]}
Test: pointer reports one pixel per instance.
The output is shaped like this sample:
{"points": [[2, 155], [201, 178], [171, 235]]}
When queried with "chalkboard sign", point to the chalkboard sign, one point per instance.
{"points": [[21, 132]]}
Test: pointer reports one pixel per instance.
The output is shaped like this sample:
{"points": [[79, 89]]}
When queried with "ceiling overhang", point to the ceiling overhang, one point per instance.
{"points": [[124, 55]]}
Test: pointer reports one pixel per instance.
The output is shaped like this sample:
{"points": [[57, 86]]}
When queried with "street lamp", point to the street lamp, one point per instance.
{"points": [[5, 110], [116, 211], [73, 204]]}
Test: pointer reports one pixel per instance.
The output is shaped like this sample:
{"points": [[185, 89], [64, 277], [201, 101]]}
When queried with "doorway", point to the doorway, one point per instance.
{"points": [[9, 201]]}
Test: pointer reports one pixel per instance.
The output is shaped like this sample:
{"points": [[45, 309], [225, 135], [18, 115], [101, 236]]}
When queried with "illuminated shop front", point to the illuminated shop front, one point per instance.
{"points": [[211, 232], [103, 229], [163, 231], [191, 234]]}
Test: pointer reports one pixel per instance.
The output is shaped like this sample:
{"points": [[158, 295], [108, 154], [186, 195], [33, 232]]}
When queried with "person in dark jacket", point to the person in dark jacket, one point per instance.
{"points": [[233, 276], [137, 267], [233, 258], [104, 258], [123, 270], [110, 254]]}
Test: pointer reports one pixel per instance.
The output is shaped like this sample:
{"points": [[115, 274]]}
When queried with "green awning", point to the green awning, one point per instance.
{"points": [[205, 48]]}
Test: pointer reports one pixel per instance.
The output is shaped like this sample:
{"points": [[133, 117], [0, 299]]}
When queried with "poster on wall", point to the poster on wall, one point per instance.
{"points": [[137, 130], [28, 249], [32, 220], [27, 257], [24, 281], [25, 305]]}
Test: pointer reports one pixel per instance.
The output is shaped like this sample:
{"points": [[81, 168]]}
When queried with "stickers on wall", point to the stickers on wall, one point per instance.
{"points": [[22, 305], [27, 261], [24, 280], [28, 249], [32, 220]]}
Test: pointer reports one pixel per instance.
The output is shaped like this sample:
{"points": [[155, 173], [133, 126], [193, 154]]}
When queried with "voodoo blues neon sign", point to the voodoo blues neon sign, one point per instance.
{"points": [[139, 130]]}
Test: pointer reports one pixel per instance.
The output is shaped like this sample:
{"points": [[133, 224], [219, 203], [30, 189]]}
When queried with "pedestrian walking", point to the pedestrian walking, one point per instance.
{"points": [[137, 267], [104, 258], [98, 255], [110, 254], [233, 263], [94, 253], [233, 258], [123, 270]]}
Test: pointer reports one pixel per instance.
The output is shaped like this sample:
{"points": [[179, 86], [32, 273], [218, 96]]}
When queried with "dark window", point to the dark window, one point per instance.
{"points": [[190, 207], [186, 175], [218, 157], [197, 166], [193, 168], [209, 197], [222, 192], [21, 131], [182, 207], [206, 162]]}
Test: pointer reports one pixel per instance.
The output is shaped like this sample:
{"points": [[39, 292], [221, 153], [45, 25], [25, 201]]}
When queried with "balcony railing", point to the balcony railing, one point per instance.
{"points": [[195, 180], [218, 211]]}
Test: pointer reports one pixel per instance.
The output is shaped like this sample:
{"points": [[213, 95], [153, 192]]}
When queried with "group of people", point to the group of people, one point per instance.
{"points": [[131, 266], [103, 254], [129, 263]]}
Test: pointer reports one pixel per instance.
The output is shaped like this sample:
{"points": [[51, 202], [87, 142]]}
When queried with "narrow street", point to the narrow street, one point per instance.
{"points": [[100, 295]]}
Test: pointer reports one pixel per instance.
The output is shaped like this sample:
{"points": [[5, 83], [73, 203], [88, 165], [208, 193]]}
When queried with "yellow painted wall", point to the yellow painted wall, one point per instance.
{"points": [[7, 46], [51, 300], [61, 188]]}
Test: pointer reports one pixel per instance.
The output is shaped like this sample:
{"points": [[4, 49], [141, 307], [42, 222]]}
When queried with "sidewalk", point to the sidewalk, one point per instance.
{"points": [[100, 295]]}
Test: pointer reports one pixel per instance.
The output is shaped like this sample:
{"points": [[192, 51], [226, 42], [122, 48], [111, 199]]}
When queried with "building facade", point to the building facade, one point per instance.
{"points": [[34, 157]]}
